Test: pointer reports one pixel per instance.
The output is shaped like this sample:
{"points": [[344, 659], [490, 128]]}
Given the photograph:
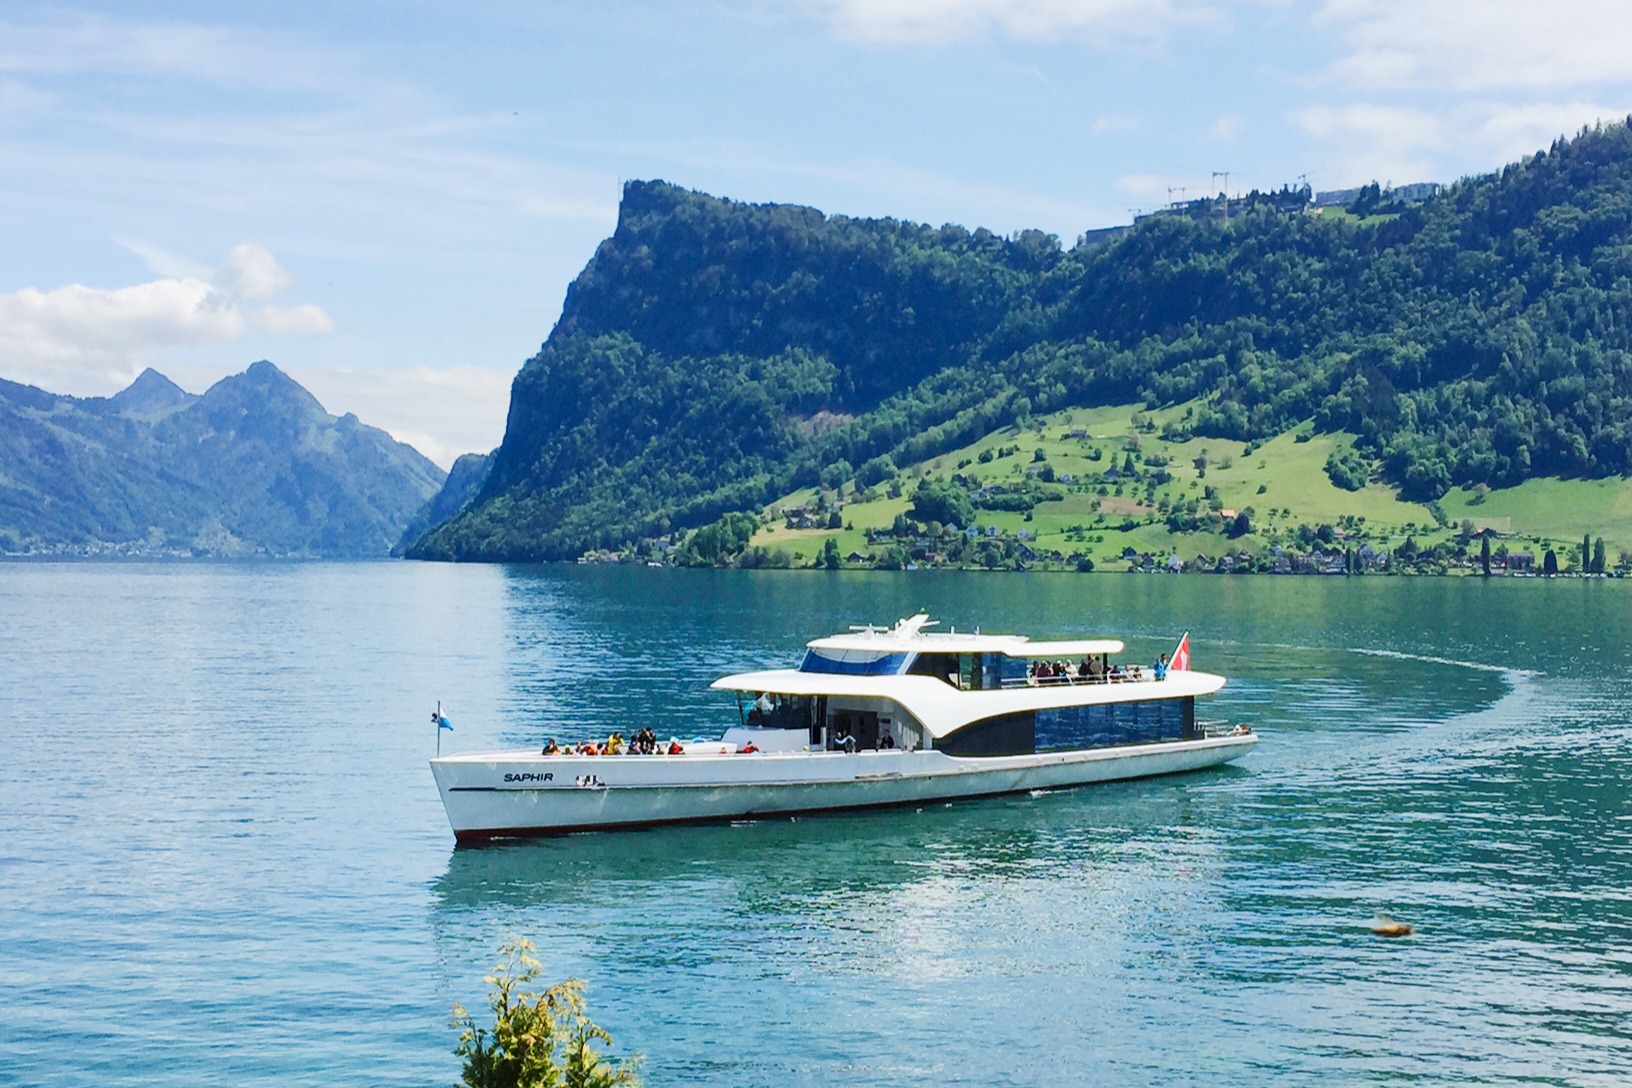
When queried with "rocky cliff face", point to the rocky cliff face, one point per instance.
{"points": [[254, 466], [703, 347]]}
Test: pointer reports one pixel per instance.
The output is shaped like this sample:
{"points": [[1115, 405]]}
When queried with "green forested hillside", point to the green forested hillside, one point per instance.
{"points": [[715, 355], [253, 466]]}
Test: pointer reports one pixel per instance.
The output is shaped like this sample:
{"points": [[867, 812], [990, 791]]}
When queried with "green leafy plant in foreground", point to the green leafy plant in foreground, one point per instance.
{"points": [[539, 1039]]}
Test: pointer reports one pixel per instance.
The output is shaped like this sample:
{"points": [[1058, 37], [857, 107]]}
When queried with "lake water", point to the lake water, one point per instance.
{"points": [[223, 860]]}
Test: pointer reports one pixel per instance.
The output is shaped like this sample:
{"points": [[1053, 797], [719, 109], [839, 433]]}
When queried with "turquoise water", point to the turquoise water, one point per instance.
{"points": [[222, 858]]}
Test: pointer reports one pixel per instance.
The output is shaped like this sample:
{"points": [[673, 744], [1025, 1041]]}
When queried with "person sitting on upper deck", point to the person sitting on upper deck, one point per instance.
{"points": [[675, 749], [1116, 674], [551, 748], [1160, 668]]}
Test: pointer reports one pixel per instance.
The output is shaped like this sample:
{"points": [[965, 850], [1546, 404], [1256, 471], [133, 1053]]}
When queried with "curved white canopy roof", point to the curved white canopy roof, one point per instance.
{"points": [[909, 636]]}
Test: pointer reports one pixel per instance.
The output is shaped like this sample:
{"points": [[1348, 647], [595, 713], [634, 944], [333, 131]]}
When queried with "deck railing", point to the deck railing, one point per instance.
{"points": [[1136, 675]]}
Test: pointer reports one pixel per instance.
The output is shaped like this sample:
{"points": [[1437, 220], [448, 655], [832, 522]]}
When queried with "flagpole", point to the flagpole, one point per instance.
{"points": [[438, 723]]}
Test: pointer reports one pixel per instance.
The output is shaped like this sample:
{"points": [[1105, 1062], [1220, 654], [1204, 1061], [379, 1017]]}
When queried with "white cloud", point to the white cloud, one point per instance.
{"points": [[1225, 129], [303, 320], [943, 22], [1480, 45], [87, 324], [164, 262], [1511, 132], [1145, 186], [440, 411], [91, 340], [251, 273], [1374, 142], [81, 44], [1114, 122]]}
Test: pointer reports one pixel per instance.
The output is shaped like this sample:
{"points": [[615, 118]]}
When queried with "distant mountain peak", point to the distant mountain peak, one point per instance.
{"points": [[264, 372], [263, 384], [150, 393]]}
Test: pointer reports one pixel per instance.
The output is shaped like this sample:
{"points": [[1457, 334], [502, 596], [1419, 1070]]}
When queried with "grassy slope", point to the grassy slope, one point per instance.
{"points": [[1296, 490]]}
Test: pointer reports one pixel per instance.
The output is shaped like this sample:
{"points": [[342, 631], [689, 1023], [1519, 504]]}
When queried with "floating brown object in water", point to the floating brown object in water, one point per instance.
{"points": [[1385, 926]]}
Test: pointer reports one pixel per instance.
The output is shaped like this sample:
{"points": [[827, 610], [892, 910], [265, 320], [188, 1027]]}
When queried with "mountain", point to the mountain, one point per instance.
{"points": [[254, 466], [714, 355], [151, 396], [464, 482]]}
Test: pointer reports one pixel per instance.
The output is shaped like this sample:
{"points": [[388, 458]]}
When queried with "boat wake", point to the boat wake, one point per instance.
{"points": [[1513, 675]]}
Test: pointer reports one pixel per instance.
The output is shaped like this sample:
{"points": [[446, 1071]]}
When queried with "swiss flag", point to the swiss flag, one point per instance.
{"points": [[1180, 661]]}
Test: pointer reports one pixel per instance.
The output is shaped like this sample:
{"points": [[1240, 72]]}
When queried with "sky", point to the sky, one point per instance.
{"points": [[389, 199]]}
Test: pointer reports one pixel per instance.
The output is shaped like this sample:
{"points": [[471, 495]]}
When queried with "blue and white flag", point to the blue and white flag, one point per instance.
{"points": [[443, 721]]}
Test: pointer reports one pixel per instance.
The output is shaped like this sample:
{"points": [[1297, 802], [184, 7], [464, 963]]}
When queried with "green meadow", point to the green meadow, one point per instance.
{"points": [[1281, 484]]}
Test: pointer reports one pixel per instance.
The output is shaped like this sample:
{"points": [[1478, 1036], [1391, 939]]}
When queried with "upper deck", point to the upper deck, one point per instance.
{"points": [[946, 681]]}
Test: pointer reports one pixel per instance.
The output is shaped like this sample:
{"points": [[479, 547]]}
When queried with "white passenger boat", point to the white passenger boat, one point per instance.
{"points": [[875, 717]]}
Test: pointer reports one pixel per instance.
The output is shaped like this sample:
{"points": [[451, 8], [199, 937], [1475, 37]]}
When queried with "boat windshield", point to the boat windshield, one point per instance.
{"points": [[853, 662], [773, 711]]}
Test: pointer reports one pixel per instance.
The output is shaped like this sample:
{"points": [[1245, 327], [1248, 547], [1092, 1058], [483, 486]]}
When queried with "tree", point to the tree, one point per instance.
{"points": [[1586, 553], [1598, 556], [1241, 526], [875, 471], [1549, 562], [831, 560], [1484, 555], [538, 1039], [720, 542], [942, 501]]}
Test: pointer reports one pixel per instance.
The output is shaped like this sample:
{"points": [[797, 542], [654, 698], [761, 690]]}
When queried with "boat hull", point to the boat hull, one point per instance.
{"points": [[510, 794]]}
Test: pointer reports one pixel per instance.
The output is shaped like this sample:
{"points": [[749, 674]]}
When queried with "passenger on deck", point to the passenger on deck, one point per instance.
{"points": [[1116, 674], [551, 748], [749, 748], [843, 741], [675, 749], [1160, 668], [886, 740]]}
